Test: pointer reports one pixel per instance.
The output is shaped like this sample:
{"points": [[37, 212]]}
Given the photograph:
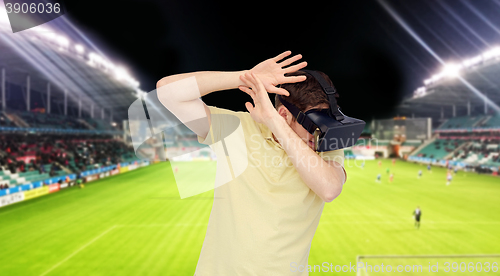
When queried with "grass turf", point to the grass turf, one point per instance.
{"points": [[136, 224]]}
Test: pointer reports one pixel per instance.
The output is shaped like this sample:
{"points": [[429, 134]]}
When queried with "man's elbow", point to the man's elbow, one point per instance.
{"points": [[160, 83], [165, 95], [332, 194]]}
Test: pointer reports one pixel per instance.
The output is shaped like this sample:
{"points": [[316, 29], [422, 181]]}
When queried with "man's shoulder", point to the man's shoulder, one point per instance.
{"points": [[226, 115], [221, 110]]}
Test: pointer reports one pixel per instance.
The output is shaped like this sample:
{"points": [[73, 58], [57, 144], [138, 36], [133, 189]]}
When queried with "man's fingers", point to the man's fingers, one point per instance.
{"points": [[276, 90], [294, 79], [296, 67], [258, 82], [249, 106], [247, 90], [246, 80], [289, 61], [281, 56], [260, 89], [282, 91]]}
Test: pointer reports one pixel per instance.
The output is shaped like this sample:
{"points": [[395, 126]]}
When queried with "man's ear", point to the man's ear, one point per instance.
{"points": [[283, 111]]}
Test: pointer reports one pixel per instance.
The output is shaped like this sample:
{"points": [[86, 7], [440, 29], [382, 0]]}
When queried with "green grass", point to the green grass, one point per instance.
{"points": [[136, 224]]}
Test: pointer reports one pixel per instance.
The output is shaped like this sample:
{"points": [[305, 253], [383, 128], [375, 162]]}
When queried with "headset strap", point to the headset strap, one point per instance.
{"points": [[330, 92], [299, 115]]}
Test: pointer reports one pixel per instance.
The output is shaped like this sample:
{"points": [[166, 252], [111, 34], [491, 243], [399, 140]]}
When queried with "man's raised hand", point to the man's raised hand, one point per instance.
{"points": [[271, 72], [263, 111]]}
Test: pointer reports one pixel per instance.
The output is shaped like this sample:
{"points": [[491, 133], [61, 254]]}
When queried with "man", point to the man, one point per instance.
{"points": [[79, 182], [419, 174], [379, 177], [263, 221], [417, 214]]}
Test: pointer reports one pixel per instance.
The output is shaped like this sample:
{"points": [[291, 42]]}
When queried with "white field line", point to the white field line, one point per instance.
{"points": [[113, 227], [78, 250], [163, 225], [406, 222]]}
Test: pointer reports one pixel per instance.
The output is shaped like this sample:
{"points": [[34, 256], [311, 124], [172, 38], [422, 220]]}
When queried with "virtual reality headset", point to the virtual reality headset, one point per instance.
{"points": [[332, 130]]}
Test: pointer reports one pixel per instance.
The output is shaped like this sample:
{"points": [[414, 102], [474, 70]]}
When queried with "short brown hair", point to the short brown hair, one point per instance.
{"points": [[306, 93]]}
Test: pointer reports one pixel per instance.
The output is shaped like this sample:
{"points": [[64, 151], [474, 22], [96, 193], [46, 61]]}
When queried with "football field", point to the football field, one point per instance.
{"points": [[136, 224]]}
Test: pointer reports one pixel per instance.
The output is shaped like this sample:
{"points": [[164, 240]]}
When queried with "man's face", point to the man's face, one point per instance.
{"points": [[299, 129]]}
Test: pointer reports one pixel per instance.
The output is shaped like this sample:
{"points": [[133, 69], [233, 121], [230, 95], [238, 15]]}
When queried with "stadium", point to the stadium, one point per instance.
{"points": [[77, 197]]}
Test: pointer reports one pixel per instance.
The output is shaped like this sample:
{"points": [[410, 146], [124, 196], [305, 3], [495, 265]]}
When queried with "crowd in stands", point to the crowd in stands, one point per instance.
{"points": [[481, 148], [49, 153], [23, 152], [26, 156], [86, 153]]}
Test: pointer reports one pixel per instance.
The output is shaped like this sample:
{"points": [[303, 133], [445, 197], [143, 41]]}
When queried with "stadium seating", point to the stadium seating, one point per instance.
{"points": [[493, 121], [371, 142], [439, 148], [28, 158], [54, 121], [461, 122], [411, 143], [475, 122], [99, 124], [479, 153], [5, 121], [43, 120]]}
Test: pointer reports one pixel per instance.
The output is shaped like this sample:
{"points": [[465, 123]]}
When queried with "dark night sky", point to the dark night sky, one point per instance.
{"points": [[373, 62]]}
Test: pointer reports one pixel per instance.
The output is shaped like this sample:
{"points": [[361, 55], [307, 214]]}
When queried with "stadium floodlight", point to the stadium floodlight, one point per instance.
{"points": [[120, 73], [62, 41], [451, 70], [135, 83], [93, 57], [420, 92], [472, 61], [436, 77], [3, 15], [79, 48], [493, 53], [109, 65], [40, 29], [139, 93], [48, 35]]}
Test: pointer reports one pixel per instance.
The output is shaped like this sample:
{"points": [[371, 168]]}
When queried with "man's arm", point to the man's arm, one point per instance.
{"points": [[181, 93], [324, 178]]}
